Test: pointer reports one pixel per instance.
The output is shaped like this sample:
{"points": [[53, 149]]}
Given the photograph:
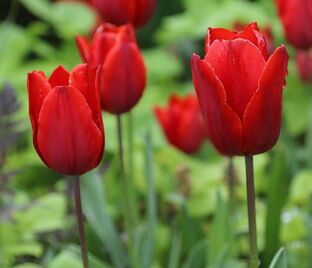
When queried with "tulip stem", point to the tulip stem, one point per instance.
{"points": [[126, 188], [251, 203], [79, 216], [231, 178]]}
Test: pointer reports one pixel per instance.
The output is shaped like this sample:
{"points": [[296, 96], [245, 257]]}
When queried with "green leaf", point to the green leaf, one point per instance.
{"points": [[195, 258], [175, 251], [148, 246], [99, 219], [277, 195], [68, 19], [220, 237], [279, 260]]}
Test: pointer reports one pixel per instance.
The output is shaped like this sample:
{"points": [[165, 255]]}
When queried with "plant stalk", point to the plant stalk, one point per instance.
{"points": [[126, 190], [251, 204], [79, 215]]}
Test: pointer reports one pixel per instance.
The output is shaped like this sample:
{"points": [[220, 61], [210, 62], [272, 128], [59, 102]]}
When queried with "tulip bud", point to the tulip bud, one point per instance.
{"points": [[182, 123], [119, 12], [240, 90], [66, 119], [296, 17], [122, 78]]}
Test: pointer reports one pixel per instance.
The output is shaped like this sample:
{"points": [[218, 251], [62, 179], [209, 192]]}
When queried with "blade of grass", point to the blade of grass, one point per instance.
{"points": [[149, 243], [276, 198], [175, 251], [100, 220], [196, 256], [279, 260]]}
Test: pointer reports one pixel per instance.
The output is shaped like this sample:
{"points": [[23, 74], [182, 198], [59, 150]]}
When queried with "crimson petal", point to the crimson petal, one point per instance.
{"points": [[223, 125], [68, 139], [262, 118]]}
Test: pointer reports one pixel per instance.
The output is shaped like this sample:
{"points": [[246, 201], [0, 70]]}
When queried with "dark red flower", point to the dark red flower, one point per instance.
{"points": [[296, 16], [239, 91], [119, 12], [304, 65], [182, 123], [66, 119], [123, 75]]}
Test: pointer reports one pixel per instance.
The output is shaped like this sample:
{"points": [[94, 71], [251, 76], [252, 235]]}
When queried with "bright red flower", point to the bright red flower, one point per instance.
{"points": [[296, 17], [240, 91], [119, 12], [123, 75], [66, 119], [182, 123], [304, 65]]}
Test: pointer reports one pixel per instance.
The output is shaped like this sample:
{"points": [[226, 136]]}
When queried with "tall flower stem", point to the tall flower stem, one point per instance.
{"points": [[126, 189], [231, 178], [251, 203], [79, 215]]}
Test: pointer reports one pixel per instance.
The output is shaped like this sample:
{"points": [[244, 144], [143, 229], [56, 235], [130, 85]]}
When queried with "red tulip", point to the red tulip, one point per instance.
{"points": [[182, 123], [239, 91], [304, 64], [296, 16], [123, 75], [66, 119], [119, 12]]}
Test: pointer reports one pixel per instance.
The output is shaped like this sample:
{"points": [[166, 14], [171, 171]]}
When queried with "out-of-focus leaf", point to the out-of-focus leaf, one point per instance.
{"points": [[68, 19], [296, 103], [28, 265], [277, 194], [148, 245], [196, 256], [175, 251], [99, 219], [279, 260], [220, 237], [301, 188]]}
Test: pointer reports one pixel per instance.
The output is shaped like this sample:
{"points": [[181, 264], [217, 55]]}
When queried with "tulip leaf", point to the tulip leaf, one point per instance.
{"points": [[148, 246], [278, 186], [195, 257], [99, 219], [279, 260]]}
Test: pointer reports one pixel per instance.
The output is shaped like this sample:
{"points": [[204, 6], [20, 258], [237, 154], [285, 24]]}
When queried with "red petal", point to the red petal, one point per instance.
{"points": [[117, 12], [68, 139], [262, 119], [218, 34], [83, 79], [251, 33], [238, 64], [123, 78], [38, 88], [223, 125], [143, 11], [83, 47], [59, 77], [103, 40]]}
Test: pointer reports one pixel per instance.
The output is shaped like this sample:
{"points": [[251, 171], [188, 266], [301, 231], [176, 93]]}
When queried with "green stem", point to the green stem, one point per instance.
{"points": [[126, 190], [231, 178], [79, 215], [251, 203]]}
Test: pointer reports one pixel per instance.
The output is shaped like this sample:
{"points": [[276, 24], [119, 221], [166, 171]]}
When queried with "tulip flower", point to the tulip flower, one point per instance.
{"points": [[119, 12], [240, 90], [66, 119], [304, 65], [296, 17], [123, 75], [182, 123]]}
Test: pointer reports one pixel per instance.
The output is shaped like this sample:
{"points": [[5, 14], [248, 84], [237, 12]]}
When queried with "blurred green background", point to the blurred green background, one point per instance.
{"points": [[184, 216]]}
